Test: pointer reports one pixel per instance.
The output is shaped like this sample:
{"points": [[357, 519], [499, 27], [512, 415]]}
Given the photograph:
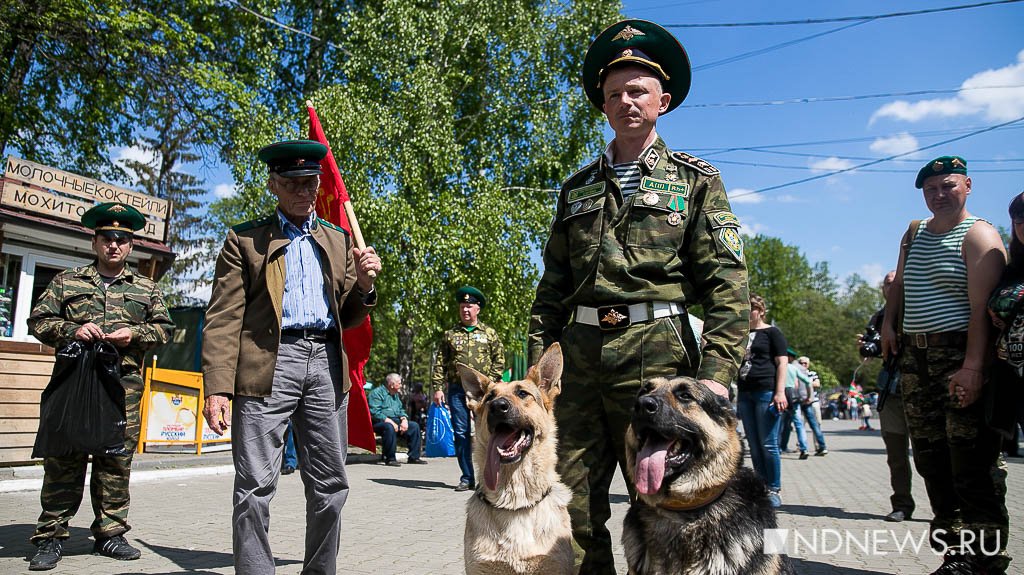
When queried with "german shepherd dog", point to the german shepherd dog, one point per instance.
{"points": [[698, 510], [517, 522]]}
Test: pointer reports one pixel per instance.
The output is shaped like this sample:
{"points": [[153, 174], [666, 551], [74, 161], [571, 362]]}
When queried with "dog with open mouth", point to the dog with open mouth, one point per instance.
{"points": [[517, 522], [698, 510]]}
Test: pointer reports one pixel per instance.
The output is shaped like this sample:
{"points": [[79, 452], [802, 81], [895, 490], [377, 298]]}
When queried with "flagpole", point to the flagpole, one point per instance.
{"points": [[357, 232]]}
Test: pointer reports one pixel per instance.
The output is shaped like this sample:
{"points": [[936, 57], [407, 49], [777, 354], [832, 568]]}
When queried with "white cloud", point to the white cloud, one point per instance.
{"points": [[873, 273], [744, 196], [222, 191], [787, 199], [133, 153], [995, 104], [750, 227], [899, 144], [830, 164]]}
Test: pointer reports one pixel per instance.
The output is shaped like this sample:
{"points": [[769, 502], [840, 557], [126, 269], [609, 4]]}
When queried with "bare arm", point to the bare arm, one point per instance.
{"points": [[894, 304], [985, 259], [781, 373]]}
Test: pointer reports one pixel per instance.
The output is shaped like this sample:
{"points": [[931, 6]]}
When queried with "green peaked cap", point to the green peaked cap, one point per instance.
{"points": [[939, 166], [641, 43], [114, 219], [293, 158], [469, 294]]}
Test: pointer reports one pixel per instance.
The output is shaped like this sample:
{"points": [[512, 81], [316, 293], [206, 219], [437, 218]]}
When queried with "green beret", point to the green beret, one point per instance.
{"points": [[641, 43], [293, 158], [939, 166], [469, 294], [114, 220]]}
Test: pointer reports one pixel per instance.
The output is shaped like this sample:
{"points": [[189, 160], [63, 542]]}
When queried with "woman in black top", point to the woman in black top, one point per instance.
{"points": [[762, 396]]}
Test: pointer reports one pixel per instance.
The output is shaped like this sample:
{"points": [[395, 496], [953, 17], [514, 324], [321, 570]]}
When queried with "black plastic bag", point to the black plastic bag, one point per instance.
{"points": [[82, 408]]}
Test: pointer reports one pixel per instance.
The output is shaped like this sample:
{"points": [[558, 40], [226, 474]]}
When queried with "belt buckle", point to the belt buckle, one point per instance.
{"points": [[310, 334], [921, 340], [611, 317]]}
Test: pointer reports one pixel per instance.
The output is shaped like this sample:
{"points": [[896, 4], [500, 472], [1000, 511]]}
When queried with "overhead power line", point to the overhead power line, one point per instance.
{"points": [[812, 100], [879, 161], [878, 170], [773, 47], [865, 159], [283, 26], [841, 18]]}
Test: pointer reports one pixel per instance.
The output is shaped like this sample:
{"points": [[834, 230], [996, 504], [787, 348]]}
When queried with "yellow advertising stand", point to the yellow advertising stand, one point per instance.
{"points": [[172, 413]]}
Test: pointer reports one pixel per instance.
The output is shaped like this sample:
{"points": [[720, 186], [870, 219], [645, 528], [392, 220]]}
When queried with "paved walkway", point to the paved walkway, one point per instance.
{"points": [[408, 520]]}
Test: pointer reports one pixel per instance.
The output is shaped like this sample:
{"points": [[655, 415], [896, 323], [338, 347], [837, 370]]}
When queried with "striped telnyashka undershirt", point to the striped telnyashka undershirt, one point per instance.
{"points": [[935, 281], [628, 175]]}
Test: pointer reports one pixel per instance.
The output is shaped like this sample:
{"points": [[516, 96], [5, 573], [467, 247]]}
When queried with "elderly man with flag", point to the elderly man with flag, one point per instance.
{"points": [[284, 288]]}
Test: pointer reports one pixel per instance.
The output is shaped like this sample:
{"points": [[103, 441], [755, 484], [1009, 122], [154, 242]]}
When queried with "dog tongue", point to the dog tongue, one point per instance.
{"points": [[494, 458], [650, 465]]}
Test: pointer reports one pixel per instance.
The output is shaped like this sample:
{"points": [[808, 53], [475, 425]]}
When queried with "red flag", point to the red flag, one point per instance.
{"points": [[357, 340]]}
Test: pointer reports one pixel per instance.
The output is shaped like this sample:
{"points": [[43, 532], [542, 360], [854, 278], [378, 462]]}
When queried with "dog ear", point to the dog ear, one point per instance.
{"points": [[474, 382], [548, 372]]}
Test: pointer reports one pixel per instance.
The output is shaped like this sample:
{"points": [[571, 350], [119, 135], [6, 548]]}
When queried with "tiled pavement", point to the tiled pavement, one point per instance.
{"points": [[408, 520]]}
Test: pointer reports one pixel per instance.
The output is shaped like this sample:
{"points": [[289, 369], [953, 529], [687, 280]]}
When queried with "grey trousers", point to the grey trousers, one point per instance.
{"points": [[307, 389]]}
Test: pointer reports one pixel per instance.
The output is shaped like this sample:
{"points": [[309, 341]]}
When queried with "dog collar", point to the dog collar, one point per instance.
{"points": [[702, 499], [480, 495]]}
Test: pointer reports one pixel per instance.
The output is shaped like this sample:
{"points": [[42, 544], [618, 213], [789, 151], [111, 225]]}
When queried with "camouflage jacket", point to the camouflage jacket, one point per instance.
{"points": [[480, 349], [77, 296], [675, 239]]}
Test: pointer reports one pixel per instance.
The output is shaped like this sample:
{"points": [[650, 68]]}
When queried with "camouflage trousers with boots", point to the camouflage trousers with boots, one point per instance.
{"points": [[602, 374], [64, 484], [957, 454]]}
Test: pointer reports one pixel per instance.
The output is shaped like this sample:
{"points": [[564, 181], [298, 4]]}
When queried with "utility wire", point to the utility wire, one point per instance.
{"points": [[882, 170], [283, 26], [879, 161], [709, 151], [864, 158], [774, 47], [842, 18], [847, 98]]}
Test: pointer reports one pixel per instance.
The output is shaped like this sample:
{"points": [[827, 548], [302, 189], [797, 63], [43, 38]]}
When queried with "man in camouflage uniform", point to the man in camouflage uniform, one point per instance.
{"points": [[948, 267], [474, 344], [638, 235], [101, 301]]}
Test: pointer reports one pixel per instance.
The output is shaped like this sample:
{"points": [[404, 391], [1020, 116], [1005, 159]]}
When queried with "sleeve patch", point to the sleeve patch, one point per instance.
{"points": [[585, 192], [730, 239], [723, 220]]}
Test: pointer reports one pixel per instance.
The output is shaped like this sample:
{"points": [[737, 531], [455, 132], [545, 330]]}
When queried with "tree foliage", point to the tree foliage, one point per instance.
{"points": [[819, 319], [452, 122]]}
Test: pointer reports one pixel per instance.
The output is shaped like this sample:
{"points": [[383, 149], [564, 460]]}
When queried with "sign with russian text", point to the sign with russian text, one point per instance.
{"points": [[67, 196]]}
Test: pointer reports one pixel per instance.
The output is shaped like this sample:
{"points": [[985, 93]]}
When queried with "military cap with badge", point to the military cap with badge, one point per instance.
{"points": [[939, 167], [114, 220], [638, 43], [469, 294], [293, 158]]}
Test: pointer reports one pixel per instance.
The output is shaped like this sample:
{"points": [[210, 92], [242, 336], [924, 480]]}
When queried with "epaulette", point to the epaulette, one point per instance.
{"points": [[246, 226], [579, 172], [696, 163], [332, 226]]}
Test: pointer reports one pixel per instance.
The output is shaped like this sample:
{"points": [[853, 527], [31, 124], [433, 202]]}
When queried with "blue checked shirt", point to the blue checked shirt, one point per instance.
{"points": [[305, 296]]}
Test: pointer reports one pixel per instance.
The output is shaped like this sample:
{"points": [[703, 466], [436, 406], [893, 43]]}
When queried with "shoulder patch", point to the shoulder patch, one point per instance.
{"points": [[328, 224], [579, 172], [696, 163], [246, 226], [723, 219]]}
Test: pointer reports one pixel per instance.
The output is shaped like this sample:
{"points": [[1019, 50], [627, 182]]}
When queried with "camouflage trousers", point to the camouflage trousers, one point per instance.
{"points": [[602, 373], [957, 454], [64, 484]]}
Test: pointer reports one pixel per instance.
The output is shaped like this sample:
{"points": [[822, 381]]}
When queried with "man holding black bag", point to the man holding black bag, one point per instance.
{"points": [[101, 302]]}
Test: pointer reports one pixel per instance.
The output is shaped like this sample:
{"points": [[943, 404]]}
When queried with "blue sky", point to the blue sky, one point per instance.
{"points": [[854, 220]]}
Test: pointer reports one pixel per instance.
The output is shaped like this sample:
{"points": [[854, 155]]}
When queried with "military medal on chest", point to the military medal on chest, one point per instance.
{"points": [[650, 198], [671, 173], [674, 218]]}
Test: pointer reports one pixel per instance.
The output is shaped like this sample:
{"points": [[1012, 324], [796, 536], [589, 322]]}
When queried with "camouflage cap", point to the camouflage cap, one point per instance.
{"points": [[114, 220], [641, 43], [939, 166], [293, 158], [469, 294]]}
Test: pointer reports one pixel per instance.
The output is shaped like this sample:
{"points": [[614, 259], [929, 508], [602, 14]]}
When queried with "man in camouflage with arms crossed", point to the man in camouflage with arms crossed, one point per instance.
{"points": [[638, 235], [101, 301], [474, 344]]}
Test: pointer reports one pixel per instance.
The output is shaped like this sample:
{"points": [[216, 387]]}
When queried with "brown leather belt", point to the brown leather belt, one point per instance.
{"points": [[940, 339]]}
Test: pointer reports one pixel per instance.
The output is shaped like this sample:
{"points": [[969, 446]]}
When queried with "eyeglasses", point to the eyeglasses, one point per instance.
{"points": [[298, 187]]}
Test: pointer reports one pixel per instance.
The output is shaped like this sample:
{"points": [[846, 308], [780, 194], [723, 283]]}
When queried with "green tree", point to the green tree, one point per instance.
{"points": [[452, 125]]}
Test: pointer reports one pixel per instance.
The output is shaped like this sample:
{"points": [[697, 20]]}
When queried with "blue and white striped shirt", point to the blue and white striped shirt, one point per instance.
{"points": [[935, 281], [305, 295]]}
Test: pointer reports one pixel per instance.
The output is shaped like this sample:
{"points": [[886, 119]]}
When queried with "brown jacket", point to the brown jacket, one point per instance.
{"points": [[243, 321]]}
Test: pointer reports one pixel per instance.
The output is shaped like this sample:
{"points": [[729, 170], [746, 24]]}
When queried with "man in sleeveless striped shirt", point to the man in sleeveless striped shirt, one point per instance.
{"points": [[948, 266], [638, 235]]}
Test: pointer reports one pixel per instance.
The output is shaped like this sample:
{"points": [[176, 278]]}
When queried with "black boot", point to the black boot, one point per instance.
{"points": [[116, 547]]}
